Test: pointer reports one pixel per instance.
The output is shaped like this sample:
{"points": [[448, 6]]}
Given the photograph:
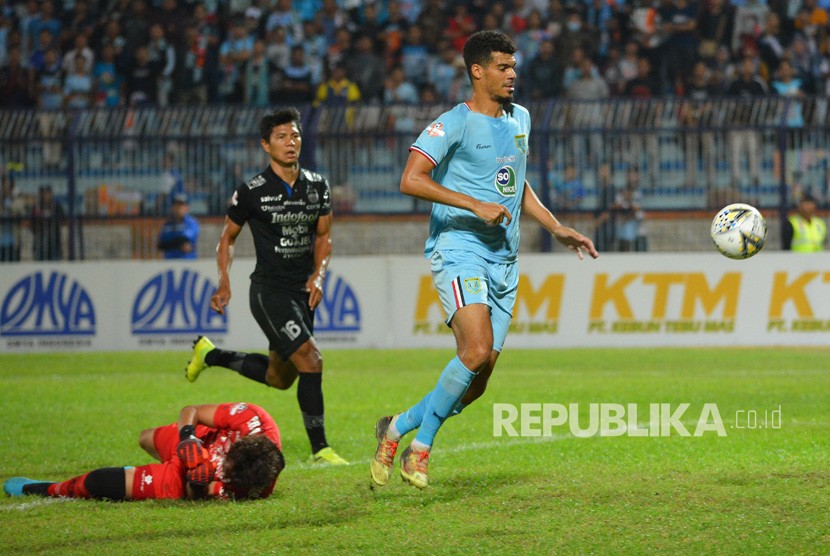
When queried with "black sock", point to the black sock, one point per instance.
{"points": [[39, 489], [249, 365], [310, 396], [107, 482]]}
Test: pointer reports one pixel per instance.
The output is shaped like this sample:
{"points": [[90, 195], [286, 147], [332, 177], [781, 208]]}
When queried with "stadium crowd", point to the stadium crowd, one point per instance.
{"points": [[85, 53]]}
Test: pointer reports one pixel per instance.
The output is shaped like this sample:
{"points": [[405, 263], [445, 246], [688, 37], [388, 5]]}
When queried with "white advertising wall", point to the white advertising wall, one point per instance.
{"points": [[389, 302]]}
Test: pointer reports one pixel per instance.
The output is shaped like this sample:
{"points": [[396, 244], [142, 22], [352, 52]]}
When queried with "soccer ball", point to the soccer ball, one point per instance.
{"points": [[739, 231]]}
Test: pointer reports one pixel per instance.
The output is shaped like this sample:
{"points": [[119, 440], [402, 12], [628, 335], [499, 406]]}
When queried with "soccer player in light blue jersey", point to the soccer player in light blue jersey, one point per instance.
{"points": [[470, 162]]}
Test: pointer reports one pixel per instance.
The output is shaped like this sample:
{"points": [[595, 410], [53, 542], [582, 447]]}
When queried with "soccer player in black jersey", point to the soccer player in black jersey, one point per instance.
{"points": [[289, 212]]}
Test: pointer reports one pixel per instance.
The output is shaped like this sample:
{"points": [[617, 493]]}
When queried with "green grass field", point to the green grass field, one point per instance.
{"points": [[754, 491]]}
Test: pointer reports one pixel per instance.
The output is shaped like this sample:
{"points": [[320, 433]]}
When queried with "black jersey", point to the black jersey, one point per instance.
{"points": [[283, 223]]}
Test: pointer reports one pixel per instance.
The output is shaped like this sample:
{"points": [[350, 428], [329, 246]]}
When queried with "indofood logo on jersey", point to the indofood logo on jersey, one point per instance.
{"points": [[174, 302], [339, 310], [47, 304], [506, 181]]}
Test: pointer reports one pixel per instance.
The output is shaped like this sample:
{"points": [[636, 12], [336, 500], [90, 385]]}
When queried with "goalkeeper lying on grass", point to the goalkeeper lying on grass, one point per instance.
{"points": [[229, 451]]}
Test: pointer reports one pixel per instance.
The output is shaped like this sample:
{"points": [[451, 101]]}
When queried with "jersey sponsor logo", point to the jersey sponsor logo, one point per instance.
{"points": [[256, 182], [481, 147], [436, 129], [472, 285], [506, 181], [238, 408], [270, 198], [293, 218], [339, 310], [47, 304], [505, 159], [521, 143], [176, 302]]}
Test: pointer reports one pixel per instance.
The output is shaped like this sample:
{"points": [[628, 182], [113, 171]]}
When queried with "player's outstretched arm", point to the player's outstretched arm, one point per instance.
{"points": [[565, 235], [416, 181], [224, 258], [322, 255]]}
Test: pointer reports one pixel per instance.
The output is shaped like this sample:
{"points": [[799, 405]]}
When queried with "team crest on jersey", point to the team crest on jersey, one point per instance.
{"points": [[506, 181], [436, 129], [256, 182], [521, 143], [472, 285]]}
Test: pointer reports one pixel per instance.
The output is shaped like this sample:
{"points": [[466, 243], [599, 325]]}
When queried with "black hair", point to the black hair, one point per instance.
{"points": [[256, 462], [481, 45], [278, 117]]}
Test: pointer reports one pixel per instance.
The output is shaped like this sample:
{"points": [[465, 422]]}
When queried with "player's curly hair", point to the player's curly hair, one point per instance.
{"points": [[480, 46], [278, 117], [256, 462]]}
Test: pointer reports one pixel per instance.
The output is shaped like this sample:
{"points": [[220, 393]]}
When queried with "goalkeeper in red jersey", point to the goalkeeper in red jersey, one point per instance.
{"points": [[230, 451]]}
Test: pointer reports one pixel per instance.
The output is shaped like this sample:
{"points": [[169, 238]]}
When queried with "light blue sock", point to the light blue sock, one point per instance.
{"points": [[411, 419], [452, 384]]}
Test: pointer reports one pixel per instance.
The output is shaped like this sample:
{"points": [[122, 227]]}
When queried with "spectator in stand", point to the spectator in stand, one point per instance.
{"points": [[628, 214], [297, 87], [47, 218], [528, 41], [573, 72], [286, 18], [109, 84], [36, 60], [45, 20], [515, 20], [172, 19], [331, 18], [788, 85], [715, 27], [191, 76], [543, 74], [460, 86], [415, 56], [743, 139], [393, 32], [642, 86], [805, 60], [749, 24], [112, 36], [339, 90], [81, 46], [340, 50], [770, 45], [142, 79], [460, 25], [570, 191], [367, 69], [12, 212], [277, 48], [315, 46], [234, 52], [49, 90], [179, 235], [698, 144], [370, 24], [261, 78], [162, 57], [431, 23], [804, 231], [136, 26], [680, 24], [77, 87], [78, 21], [397, 90], [442, 70], [575, 36]]}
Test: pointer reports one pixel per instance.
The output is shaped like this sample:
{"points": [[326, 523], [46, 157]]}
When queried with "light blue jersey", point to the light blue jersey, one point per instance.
{"points": [[485, 158]]}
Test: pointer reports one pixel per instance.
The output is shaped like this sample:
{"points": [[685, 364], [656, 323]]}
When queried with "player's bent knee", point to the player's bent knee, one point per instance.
{"points": [[476, 356]]}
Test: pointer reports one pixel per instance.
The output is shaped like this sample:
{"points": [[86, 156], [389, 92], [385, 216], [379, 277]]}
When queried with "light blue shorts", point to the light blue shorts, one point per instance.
{"points": [[463, 278]]}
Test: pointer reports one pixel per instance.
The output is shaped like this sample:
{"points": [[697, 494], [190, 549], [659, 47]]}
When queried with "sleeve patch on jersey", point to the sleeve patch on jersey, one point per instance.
{"points": [[238, 408], [521, 143], [256, 182], [436, 129], [235, 198]]}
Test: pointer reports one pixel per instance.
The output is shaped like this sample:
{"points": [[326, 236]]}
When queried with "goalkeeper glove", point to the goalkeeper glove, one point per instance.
{"points": [[201, 475], [190, 449]]}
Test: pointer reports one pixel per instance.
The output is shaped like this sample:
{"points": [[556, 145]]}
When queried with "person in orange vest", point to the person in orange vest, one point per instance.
{"points": [[804, 232]]}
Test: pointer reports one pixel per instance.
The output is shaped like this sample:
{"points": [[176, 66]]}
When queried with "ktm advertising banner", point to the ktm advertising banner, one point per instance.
{"points": [[390, 302]]}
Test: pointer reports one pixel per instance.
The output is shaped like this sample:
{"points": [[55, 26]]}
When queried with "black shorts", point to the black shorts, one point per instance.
{"points": [[284, 316]]}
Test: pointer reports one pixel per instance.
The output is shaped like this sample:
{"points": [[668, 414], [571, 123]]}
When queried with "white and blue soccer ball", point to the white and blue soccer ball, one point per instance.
{"points": [[739, 231]]}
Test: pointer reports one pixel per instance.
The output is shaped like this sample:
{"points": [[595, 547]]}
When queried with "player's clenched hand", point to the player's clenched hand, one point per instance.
{"points": [[575, 241], [201, 475], [493, 213], [220, 299], [192, 452]]}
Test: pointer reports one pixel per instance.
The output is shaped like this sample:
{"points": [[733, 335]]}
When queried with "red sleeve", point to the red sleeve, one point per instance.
{"points": [[247, 419]]}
